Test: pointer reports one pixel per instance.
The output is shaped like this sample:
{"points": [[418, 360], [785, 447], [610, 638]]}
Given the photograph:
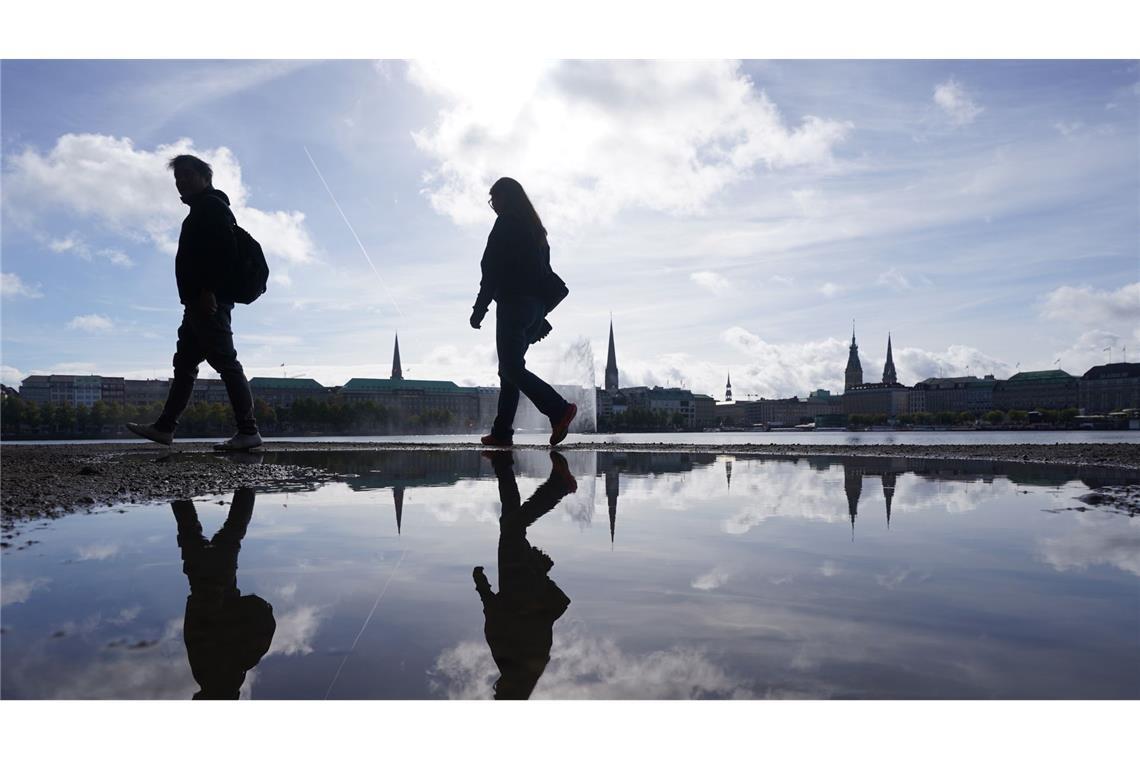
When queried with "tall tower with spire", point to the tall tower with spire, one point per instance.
{"points": [[853, 375], [889, 376], [397, 370], [611, 364], [728, 388]]}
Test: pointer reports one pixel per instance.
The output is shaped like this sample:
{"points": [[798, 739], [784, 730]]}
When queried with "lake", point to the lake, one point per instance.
{"points": [[604, 575]]}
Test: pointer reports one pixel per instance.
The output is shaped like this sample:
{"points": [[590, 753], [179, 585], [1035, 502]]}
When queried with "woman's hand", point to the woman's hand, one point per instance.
{"points": [[477, 318]]}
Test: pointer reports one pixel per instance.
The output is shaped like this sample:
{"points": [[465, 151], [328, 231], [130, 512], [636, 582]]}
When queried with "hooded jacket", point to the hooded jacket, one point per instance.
{"points": [[206, 246]]}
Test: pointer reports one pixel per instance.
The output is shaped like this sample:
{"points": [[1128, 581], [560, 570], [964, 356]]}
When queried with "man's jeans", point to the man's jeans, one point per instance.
{"points": [[204, 337], [517, 321]]}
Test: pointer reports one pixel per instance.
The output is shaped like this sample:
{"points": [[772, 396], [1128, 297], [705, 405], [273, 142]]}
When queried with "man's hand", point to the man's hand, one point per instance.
{"points": [[477, 318], [207, 302]]}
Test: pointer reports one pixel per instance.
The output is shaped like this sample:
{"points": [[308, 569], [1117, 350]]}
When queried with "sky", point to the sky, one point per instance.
{"points": [[730, 216]]}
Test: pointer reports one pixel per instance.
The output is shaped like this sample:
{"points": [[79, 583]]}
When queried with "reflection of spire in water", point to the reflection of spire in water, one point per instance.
{"points": [[888, 492], [853, 486], [728, 473], [398, 496], [612, 497]]}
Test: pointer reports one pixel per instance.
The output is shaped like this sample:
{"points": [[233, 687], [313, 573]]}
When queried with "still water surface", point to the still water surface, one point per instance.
{"points": [[647, 576], [819, 438]]}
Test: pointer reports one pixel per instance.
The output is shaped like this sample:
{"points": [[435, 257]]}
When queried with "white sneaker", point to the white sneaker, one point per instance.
{"points": [[240, 442], [151, 432]]}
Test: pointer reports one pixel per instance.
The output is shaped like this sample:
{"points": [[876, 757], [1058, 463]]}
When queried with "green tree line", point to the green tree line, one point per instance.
{"points": [[21, 418]]}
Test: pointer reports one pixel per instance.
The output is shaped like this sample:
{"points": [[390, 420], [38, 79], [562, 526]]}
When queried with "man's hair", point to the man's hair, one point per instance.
{"points": [[193, 162]]}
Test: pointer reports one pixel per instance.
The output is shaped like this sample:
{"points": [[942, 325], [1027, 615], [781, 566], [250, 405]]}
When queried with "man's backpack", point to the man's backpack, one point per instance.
{"points": [[249, 272]]}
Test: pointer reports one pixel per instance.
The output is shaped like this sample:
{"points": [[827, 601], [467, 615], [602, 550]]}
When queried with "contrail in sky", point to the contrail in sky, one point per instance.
{"points": [[354, 235]]}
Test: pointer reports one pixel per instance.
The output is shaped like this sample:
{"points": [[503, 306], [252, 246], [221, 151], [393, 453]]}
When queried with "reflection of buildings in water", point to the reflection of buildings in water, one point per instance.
{"points": [[888, 491], [612, 489], [728, 474], [398, 497], [853, 486]]}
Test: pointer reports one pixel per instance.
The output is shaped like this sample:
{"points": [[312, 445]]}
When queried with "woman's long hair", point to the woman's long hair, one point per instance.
{"points": [[513, 199]]}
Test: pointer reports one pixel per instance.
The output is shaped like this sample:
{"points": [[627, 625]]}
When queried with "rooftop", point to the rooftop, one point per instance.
{"points": [[286, 383], [367, 384]]}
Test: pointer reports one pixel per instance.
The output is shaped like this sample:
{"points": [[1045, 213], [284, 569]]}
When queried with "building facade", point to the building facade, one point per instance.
{"points": [[1110, 388], [416, 397], [1049, 389], [282, 392]]}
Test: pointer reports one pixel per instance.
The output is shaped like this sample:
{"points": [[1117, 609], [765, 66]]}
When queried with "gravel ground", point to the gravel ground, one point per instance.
{"points": [[38, 482]]}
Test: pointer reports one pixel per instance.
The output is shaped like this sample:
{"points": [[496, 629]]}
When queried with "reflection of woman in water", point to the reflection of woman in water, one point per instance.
{"points": [[226, 633], [520, 617], [517, 276]]}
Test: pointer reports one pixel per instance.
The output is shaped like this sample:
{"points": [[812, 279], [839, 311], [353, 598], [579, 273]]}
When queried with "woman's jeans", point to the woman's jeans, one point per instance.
{"points": [[517, 321]]}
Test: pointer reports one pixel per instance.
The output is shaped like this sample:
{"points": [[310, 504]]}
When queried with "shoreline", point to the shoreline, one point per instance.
{"points": [[49, 481]]}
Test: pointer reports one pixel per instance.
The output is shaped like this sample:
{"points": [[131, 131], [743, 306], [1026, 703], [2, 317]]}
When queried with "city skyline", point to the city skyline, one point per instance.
{"points": [[983, 213], [610, 370]]}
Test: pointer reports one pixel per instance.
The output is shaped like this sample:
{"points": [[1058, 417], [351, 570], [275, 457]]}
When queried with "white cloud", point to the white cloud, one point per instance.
{"points": [[12, 285], [1068, 128], [1095, 347], [1099, 539], [296, 631], [713, 579], [96, 552], [76, 245], [829, 569], [830, 289], [583, 666], [781, 370], [18, 591], [916, 364], [712, 282], [952, 98], [590, 138], [91, 323], [893, 278], [131, 192], [11, 376], [1094, 307]]}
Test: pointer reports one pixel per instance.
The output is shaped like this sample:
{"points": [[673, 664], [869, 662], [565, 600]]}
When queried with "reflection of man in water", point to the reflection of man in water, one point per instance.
{"points": [[520, 618], [226, 633]]}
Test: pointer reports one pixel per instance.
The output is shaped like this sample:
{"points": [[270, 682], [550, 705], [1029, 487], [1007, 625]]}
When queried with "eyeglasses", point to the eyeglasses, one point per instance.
{"points": [[491, 202]]}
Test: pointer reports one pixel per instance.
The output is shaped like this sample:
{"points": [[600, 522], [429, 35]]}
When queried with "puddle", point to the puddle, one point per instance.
{"points": [[618, 575]]}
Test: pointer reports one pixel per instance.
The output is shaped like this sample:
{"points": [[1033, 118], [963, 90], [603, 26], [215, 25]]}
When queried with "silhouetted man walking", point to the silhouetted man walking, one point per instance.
{"points": [[207, 251]]}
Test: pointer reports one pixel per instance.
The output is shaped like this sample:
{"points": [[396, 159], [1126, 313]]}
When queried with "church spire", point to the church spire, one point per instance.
{"points": [[611, 363], [397, 370], [728, 388], [853, 375], [889, 375]]}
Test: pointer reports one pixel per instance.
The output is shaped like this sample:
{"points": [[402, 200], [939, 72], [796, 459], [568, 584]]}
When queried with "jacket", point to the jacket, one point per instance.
{"points": [[516, 262], [206, 246]]}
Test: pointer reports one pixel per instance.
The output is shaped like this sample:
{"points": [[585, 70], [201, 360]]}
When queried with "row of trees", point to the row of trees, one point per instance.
{"points": [[641, 419], [21, 418]]}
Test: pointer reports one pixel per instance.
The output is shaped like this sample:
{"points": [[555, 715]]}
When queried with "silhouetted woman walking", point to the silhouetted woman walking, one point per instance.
{"points": [[517, 276]]}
